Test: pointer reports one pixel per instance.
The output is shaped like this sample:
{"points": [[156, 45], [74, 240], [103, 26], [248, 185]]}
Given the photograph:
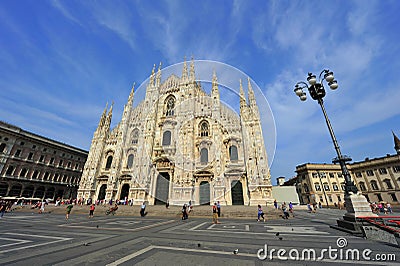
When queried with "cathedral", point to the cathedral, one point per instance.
{"points": [[180, 144]]}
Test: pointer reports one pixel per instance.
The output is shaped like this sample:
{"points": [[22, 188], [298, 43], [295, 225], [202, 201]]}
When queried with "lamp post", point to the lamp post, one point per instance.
{"points": [[317, 93]]}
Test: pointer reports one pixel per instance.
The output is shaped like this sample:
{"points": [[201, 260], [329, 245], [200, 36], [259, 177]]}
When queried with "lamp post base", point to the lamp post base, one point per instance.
{"points": [[356, 206]]}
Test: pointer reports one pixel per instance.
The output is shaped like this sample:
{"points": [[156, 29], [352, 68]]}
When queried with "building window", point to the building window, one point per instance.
{"points": [[23, 172], [388, 184], [17, 153], [51, 160], [362, 186], [69, 164], [10, 170], [382, 171], [60, 163], [109, 161], [370, 173], [330, 198], [317, 187], [204, 155], [166, 141], [358, 174], [30, 156], [321, 199], [396, 168], [135, 136], [379, 196], [340, 175], [41, 158], [35, 174], [343, 186], [233, 153], [374, 185], [339, 198], [314, 175], [2, 147], [204, 129], [322, 175], [306, 188], [169, 106], [326, 187], [331, 175], [335, 187], [46, 176], [130, 161], [393, 196]]}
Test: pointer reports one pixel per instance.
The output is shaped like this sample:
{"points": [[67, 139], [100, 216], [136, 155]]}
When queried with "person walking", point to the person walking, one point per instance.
{"points": [[285, 211], [3, 206], [185, 212], [219, 209], [91, 211], [215, 214], [143, 209], [260, 214], [68, 210]]}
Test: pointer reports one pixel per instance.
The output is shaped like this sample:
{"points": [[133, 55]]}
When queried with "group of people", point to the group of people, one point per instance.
{"points": [[381, 207]]}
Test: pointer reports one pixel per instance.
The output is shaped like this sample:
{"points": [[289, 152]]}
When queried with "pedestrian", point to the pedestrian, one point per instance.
{"points": [[68, 211], [389, 207], [42, 205], [167, 204], [309, 207], [260, 214], [219, 209], [215, 214], [91, 211], [3, 207], [275, 204], [285, 211], [185, 212], [320, 205], [143, 209], [314, 207], [291, 208]]}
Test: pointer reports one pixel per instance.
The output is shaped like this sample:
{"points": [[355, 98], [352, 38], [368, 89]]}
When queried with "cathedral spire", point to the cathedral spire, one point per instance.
{"points": [[214, 82], [396, 143], [130, 99], [158, 76], [109, 116], [184, 71], [252, 98], [242, 96], [152, 75], [102, 118], [192, 75]]}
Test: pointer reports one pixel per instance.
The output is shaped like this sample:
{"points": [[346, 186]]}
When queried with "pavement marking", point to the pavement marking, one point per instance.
{"points": [[59, 239], [274, 257], [118, 228], [231, 227], [295, 230], [197, 226], [18, 241]]}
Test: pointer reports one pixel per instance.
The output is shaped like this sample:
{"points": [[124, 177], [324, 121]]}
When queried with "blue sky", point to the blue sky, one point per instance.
{"points": [[62, 61]]}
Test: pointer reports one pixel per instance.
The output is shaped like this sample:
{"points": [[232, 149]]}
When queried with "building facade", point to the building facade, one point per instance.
{"points": [[378, 179], [179, 144], [32, 166]]}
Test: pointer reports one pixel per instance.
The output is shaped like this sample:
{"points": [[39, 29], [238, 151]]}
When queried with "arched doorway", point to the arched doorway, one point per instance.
{"points": [[102, 192], [3, 189], [124, 191], [15, 190], [237, 193], [204, 193], [28, 192], [162, 189], [39, 192]]}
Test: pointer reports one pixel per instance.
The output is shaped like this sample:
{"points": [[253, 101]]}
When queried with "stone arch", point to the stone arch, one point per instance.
{"points": [[170, 105]]}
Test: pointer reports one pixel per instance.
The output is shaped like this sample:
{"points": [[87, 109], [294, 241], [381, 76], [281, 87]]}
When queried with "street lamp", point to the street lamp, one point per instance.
{"points": [[317, 93]]}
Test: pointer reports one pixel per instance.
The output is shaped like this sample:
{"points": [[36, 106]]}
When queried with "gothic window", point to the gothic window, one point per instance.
{"points": [[10, 170], [233, 153], [2, 147], [374, 185], [169, 106], [362, 186], [135, 136], [204, 155], [166, 140], [109, 161], [130, 161], [388, 184], [204, 129]]}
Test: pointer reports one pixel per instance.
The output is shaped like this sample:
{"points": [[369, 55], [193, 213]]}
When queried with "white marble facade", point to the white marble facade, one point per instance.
{"points": [[180, 144]]}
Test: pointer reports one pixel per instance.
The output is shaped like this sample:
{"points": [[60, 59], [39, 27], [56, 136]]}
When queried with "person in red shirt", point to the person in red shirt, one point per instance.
{"points": [[91, 211]]}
